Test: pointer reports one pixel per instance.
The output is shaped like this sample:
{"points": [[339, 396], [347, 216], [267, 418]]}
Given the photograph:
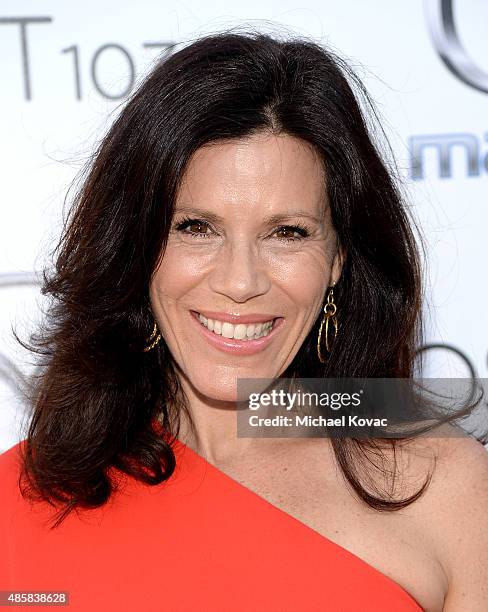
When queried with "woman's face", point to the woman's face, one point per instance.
{"points": [[251, 237]]}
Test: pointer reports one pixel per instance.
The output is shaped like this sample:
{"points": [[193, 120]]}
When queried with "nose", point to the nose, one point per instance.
{"points": [[239, 273]]}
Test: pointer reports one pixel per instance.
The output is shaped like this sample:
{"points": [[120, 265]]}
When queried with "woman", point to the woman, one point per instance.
{"points": [[237, 203]]}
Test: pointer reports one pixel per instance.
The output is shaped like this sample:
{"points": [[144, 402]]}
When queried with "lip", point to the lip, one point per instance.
{"points": [[237, 347], [236, 319]]}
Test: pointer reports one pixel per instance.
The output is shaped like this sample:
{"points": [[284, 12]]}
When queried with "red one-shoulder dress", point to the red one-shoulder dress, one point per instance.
{"points": [[200, 541]]}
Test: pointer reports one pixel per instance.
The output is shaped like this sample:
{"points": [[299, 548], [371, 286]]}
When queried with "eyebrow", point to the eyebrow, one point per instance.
{"points": [[276, 218]]}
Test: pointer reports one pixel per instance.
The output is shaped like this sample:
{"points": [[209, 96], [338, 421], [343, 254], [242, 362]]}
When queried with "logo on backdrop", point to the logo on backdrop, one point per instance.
{"points": [[443, 146], [440, 19], [79, 56]]}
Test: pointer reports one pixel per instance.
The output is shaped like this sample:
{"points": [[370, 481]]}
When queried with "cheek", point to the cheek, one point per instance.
{"points": [[175, 276], [304, 276]]}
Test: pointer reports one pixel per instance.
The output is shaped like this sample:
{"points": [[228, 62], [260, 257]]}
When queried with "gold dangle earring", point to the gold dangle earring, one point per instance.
{"points": [[153, 339], [330, 310]]}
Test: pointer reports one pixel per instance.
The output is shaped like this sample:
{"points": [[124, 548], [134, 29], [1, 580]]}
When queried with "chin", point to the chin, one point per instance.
{"points": [[225, 387], [219, 394]]}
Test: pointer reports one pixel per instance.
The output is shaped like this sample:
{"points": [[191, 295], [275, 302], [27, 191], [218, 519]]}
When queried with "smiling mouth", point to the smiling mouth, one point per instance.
{"points": [[241, 331]]}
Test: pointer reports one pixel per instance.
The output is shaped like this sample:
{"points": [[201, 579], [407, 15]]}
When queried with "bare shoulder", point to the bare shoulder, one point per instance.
{"points": [[457, 503]]}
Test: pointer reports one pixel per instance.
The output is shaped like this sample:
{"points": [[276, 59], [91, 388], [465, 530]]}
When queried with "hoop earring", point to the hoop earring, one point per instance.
{"points": [[154, 338], [330, 310]]}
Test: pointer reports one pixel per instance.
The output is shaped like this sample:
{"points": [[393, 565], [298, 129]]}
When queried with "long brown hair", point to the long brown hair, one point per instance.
{"points": [[97, 393]]}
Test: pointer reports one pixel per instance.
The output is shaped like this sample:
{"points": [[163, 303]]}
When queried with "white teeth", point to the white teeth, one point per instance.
{"points": [[227, 330], [240, 331]]}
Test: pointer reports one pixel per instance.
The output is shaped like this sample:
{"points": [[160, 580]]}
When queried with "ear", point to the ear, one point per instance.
{"points": [[337, 264]]}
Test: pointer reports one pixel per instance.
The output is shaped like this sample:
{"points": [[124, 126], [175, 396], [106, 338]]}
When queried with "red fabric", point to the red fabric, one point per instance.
{"points": [[200, 541]]}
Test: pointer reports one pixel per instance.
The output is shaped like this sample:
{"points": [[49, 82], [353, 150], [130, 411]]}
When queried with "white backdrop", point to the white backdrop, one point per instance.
{"points": [[66, 67]]}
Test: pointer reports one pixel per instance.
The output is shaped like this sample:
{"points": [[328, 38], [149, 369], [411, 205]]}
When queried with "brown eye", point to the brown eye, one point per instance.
{"points": [[193, 227], [197, 228], [286, 233]]}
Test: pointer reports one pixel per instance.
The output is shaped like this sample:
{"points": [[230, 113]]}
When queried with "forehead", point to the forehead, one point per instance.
{"points": [[262, 172]]}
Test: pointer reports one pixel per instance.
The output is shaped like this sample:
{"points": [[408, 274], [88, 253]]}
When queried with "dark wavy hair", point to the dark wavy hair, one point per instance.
{"points": [[97, 394]]}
